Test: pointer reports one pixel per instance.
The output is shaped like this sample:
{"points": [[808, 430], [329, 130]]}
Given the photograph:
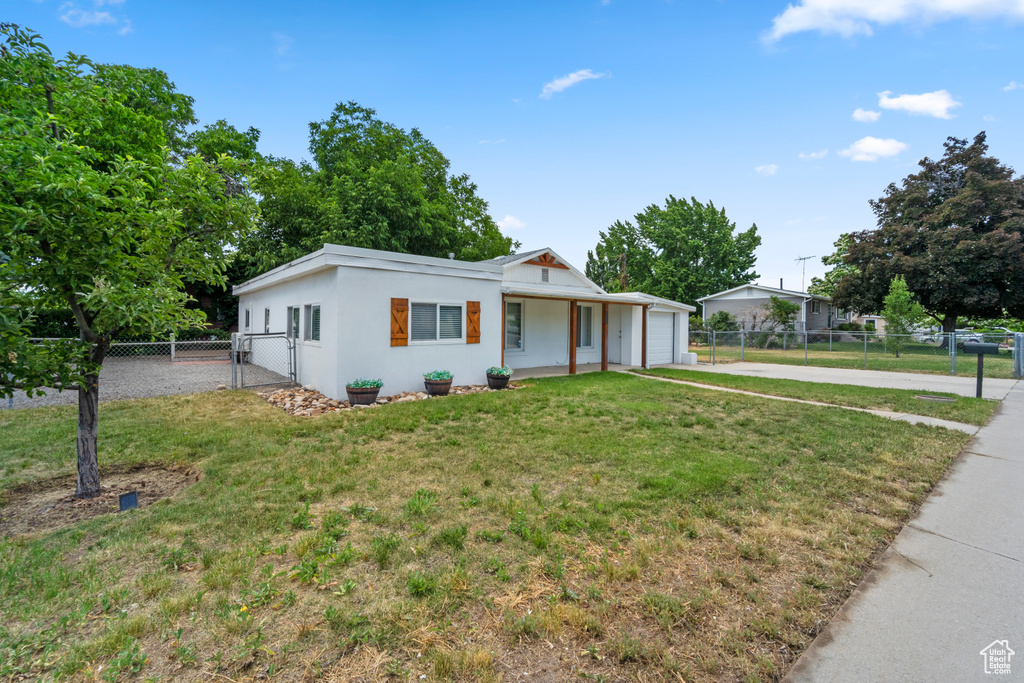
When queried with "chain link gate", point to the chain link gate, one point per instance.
{"points": [[259, 360]]}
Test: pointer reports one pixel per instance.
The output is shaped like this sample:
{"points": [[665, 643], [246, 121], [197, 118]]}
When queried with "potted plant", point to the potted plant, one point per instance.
{"points": [[438, 382], [363, 392], [497, 378]]}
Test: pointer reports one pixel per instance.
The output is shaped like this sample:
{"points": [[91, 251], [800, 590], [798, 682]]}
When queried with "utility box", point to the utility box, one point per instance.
{"points": [[981, 348]]}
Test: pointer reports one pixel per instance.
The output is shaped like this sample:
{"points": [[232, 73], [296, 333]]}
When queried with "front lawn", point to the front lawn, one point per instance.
{"points": [[974, 411], [915, 357], [603, 526]]}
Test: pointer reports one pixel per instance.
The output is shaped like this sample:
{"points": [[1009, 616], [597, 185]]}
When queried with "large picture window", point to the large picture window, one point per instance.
{"points": [[435, 322], [513, 325], [584, 327]]}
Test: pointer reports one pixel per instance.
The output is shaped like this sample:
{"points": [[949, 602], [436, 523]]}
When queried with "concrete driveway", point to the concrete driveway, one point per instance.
{"points": [[964, 386]]}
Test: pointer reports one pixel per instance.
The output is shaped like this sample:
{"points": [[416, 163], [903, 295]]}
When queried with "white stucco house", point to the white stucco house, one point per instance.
{"points": [[365, 313]]}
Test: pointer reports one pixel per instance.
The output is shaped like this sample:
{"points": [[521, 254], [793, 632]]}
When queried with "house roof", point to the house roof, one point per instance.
{"points": [[335, 255], [771, 290]]}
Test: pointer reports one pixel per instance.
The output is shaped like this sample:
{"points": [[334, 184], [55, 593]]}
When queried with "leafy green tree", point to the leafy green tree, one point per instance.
{"points": [[781, 313], [372, 185], [100, 216], [826, 286], [722, 321], [901, 313], [954, 231], [681, 251]]}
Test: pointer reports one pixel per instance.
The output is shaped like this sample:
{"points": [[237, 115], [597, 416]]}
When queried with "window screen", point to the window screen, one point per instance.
{"points": [[292, 329], [584, 326], [266, 321], [247, 318], [544, 275], [423, 322], [314, 317], [451, 322], [513, 325]]}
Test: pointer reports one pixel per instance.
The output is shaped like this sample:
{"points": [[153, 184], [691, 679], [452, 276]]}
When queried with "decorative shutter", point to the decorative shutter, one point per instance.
{"points": [[399, 322], [472, 322]]}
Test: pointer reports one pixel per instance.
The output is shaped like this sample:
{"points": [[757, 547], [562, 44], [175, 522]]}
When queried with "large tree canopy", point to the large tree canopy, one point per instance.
{"points": [[107, 209], [371, 185], [826, 286], [682, 251], [954, 231]]}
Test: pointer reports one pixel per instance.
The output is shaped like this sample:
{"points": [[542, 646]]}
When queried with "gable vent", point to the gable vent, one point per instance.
{"points": [[544, 274]]}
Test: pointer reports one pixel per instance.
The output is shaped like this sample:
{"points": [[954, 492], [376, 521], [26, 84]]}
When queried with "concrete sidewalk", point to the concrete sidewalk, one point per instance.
{"points": [[949, 585], [964, 386]]}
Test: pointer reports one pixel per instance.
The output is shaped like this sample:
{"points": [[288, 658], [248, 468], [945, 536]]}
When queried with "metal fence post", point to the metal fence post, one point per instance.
{"points": [[805, 346], [714, 338], [743, 336], [1018, 355], [865, 350], [234, 368], [830, 339], [172, 348], [952, 352]]}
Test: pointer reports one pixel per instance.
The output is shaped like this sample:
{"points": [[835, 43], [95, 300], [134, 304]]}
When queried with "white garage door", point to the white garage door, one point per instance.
{"points": [[659, 338]]}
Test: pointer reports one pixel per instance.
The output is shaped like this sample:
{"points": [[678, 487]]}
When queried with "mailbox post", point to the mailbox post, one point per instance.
{"points": [[982, 350]]}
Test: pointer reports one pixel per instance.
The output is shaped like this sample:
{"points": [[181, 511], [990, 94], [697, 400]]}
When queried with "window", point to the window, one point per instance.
{"points": [[584, 327], [545, 275], [266, 321], [312, 332], [815, 307], [434, 322], [292, 323], [513, 325], [247, 318]]}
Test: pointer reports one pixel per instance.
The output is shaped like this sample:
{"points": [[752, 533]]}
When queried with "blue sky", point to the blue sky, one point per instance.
{"points": [[571, 115]]}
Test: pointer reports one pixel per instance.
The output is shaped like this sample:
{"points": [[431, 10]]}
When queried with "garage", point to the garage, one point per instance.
{"points": [[660, 337]]}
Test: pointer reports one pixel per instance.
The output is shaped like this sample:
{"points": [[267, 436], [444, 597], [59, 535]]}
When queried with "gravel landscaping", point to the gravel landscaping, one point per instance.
{"points": [[144, 377]]}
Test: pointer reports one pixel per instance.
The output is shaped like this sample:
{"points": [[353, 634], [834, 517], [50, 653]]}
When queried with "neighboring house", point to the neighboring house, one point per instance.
{"points": [[366, 313], [876, 321], [749, 302]]}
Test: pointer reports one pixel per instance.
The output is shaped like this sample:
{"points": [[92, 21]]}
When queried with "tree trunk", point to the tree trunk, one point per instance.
{"points": [[88, 427], [949, 323]]}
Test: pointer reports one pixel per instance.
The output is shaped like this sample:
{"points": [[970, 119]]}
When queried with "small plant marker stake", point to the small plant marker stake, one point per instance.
{"points": [[128, 501]]}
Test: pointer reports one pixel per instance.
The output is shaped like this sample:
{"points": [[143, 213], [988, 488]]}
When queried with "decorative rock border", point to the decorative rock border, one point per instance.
{"points": [[302, 402]]}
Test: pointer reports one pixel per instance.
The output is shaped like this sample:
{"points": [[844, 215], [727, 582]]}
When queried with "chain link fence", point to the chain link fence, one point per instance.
{"points": [[259, 360], [942, 353]]}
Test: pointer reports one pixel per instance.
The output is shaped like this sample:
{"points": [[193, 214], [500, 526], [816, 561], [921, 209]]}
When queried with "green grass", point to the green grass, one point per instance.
{"points": [[638, 526], [974, 411], [916, 357]]}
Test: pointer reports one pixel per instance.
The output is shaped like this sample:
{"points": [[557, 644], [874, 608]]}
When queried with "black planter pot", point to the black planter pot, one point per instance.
{"points": [[438, 387], [497, 381], [362, 396]]}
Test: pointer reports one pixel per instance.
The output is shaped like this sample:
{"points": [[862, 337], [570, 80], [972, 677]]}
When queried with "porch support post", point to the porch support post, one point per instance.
{"points": [[643, 342], [604, 336], [572, 337], [502, 335]]}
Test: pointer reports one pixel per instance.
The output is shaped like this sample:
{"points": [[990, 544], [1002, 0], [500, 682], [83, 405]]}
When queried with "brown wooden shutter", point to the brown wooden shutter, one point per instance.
{"points": [[472, 322], [399, 322]]}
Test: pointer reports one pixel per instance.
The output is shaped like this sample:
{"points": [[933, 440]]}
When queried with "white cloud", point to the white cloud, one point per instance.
{"points": [[1014, 85], [510, 222], [767, 169], [282, 43], [866, 115], [80, 18], [492, 142], [859, 17], [935, 104], [560, 84], [813, 155], [989, 118], [126, 29], [873, 149]]}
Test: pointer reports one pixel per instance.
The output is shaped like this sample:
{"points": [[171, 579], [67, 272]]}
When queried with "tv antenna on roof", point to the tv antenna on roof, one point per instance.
{"points": [[803, 269]]}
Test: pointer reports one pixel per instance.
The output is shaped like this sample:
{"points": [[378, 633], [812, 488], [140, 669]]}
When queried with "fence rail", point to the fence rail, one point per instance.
{"points": [[944, 353]]}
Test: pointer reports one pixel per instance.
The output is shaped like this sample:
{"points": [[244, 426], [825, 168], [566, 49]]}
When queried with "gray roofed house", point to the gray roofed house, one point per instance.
{"points": [[747, 302]]}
